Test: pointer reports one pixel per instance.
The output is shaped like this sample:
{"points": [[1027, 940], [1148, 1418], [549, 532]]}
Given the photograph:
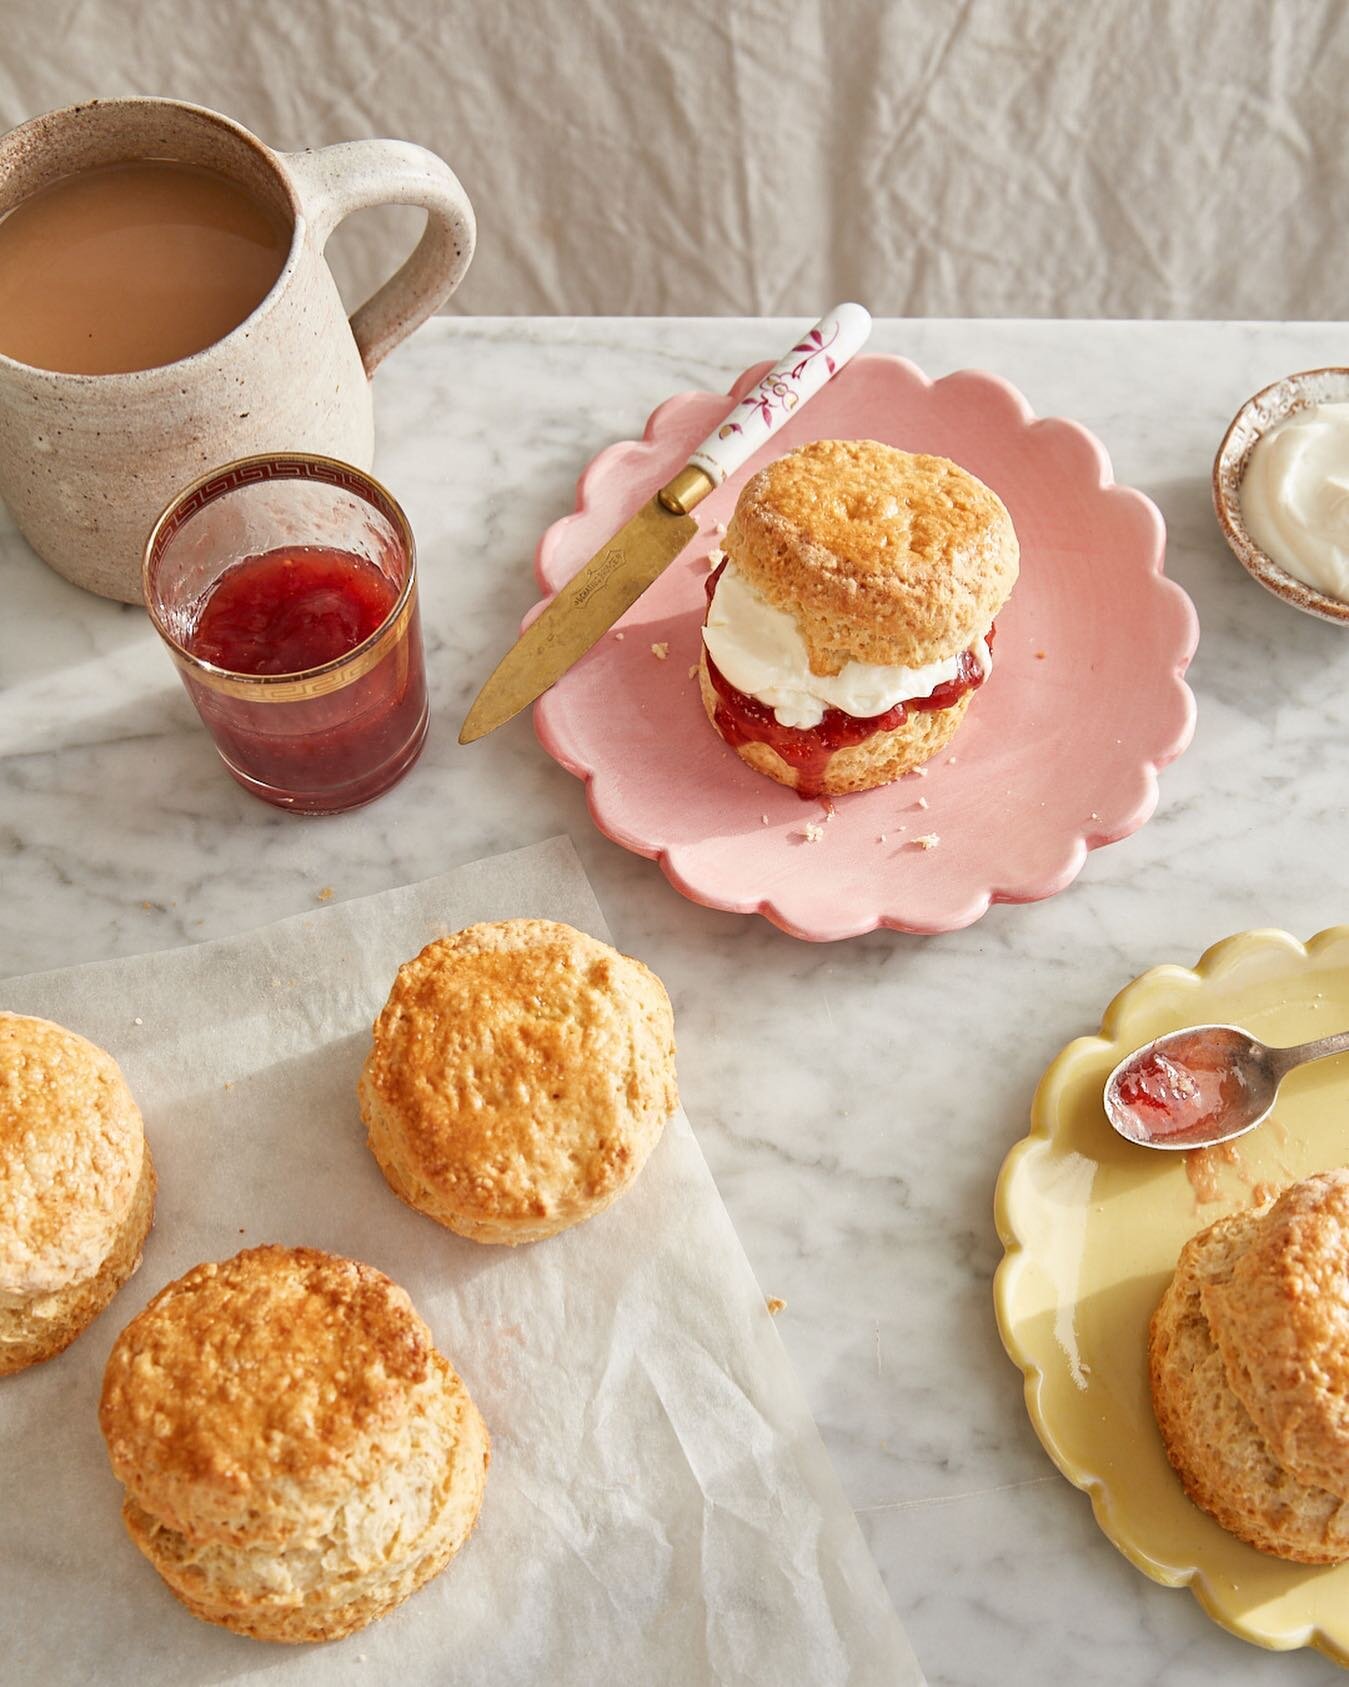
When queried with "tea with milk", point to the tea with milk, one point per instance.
{"points": [[130, 266]]}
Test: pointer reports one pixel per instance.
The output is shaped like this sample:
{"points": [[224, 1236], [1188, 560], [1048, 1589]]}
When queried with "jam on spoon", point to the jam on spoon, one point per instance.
{"points": [[1204, 1085]]}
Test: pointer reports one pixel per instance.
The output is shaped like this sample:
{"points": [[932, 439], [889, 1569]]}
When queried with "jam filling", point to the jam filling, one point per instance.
{"points": [[742, 719]]}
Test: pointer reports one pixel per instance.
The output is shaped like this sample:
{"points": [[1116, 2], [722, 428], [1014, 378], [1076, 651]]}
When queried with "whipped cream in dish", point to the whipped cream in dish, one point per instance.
{"points": [[1295, 496], [760, 650]]}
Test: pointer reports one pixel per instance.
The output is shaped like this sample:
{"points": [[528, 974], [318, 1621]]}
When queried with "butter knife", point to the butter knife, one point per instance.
{"points": [[622, 569]]}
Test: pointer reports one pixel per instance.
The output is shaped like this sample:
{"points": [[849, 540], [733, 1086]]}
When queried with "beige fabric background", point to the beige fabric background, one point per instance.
{"points": [[998, 157]]}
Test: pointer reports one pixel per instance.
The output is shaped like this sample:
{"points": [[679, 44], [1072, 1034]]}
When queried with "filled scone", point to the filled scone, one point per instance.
{"points": [[852, 618], [519, 1075], [297, 1456], [1250, 1371], [77, 1187]]}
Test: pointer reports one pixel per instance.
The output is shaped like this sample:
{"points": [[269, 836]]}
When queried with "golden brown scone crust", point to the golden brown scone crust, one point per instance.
{"points": [[77, 1187], [1225, 1464], [297, 1456], [1281, 1323], [882, 556], [71, 1141], [520, 1074], [878, 760], [38, 1327]]}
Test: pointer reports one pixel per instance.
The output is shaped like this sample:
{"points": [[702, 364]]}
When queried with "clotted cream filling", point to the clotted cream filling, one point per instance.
{"points": [[760, 650]]}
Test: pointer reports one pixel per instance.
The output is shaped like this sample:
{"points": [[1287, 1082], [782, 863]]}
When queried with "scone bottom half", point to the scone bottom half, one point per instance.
{"points": [[1249, 1373], [878, 575], [519, 1077], [77, 1187], [297, 1456]]}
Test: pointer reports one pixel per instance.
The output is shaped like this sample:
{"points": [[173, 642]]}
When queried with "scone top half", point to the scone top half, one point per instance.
{"points": [[519, 1075], [252, 1397], [1280, 1319], [881, 556], [72, 1146]]}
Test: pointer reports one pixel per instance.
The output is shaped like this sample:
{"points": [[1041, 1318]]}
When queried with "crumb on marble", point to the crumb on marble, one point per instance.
{"points": [[1039, 655], [929, 840], [950, 761], [720, 530], [881, 838], [660, 651], [763, 819], [229, 1083], [919, 772], [324, 895], [138, 1020], [775, 1304], [693, 670], [618, 636], [813, 832], [921, 803], [1093, 815]]}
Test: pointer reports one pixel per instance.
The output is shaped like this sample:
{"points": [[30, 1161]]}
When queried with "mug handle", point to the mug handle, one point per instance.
{"points": [[336, 180]]}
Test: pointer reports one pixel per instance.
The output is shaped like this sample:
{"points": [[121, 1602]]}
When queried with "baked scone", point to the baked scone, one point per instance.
{"points": [[77, 1187], [852, 618], [1248, 1369], [297, 1456], [519, 1076]]}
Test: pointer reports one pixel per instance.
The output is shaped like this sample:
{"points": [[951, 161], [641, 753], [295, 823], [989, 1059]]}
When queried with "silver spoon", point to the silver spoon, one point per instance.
{"points": [[1199, 1059]]}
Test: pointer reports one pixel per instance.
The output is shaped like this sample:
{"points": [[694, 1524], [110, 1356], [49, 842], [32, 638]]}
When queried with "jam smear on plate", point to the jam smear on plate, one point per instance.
{"points": [[742, 719]]}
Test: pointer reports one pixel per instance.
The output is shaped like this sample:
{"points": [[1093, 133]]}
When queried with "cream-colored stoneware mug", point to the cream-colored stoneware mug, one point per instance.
{"points": [[87, 462]]}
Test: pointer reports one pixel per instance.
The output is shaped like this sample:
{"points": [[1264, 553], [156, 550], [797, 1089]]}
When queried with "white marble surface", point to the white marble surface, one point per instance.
{"points": [[854, 1101]]}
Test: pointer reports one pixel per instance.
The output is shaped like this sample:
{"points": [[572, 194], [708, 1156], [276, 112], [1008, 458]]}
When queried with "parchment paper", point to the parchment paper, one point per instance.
{"points": [[659, 1509]]}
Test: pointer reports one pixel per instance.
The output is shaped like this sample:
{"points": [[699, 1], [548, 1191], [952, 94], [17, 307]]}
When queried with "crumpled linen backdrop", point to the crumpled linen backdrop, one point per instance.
{"points": [[992, 158]]}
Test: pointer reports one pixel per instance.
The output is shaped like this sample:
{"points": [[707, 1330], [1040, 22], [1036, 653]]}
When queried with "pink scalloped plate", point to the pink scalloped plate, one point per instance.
{"points": [[1059, 751]]}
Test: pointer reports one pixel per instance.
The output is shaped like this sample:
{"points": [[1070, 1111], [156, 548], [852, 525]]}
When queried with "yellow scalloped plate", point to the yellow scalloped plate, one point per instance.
{"points": [[1092, 1228]]}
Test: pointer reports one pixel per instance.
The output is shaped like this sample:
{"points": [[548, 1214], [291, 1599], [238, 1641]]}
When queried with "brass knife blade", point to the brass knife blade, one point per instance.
{"points": [[580, 615]]}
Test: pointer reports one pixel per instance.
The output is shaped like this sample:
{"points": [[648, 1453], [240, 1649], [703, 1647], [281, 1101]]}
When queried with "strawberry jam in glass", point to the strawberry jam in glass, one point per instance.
{"points": [[286, 590]]}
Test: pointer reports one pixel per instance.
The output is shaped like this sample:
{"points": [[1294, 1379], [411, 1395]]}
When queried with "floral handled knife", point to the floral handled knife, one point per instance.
{"points": [[623, 568]]}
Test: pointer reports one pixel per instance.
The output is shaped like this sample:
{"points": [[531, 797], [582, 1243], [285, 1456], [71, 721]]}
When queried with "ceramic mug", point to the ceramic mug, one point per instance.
{"points": [[87, 462]]}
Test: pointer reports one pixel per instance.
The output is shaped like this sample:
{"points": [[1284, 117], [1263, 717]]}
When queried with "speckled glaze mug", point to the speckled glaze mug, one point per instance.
{"points": [[87, 462]]}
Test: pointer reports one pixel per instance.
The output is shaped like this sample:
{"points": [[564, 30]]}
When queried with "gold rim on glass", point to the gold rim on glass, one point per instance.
{"points": [[247, 471]]}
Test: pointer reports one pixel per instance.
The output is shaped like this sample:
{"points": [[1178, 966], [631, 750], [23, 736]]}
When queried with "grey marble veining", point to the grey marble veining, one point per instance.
{"points": [[855, 1101]]}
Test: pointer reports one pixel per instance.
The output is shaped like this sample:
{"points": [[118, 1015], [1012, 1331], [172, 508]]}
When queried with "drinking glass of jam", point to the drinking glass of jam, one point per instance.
{"points": [[286, 590]]}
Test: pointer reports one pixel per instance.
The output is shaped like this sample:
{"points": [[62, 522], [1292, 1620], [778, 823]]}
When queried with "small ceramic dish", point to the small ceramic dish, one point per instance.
{"points": [[1273, 404], [1092, 1228]]}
